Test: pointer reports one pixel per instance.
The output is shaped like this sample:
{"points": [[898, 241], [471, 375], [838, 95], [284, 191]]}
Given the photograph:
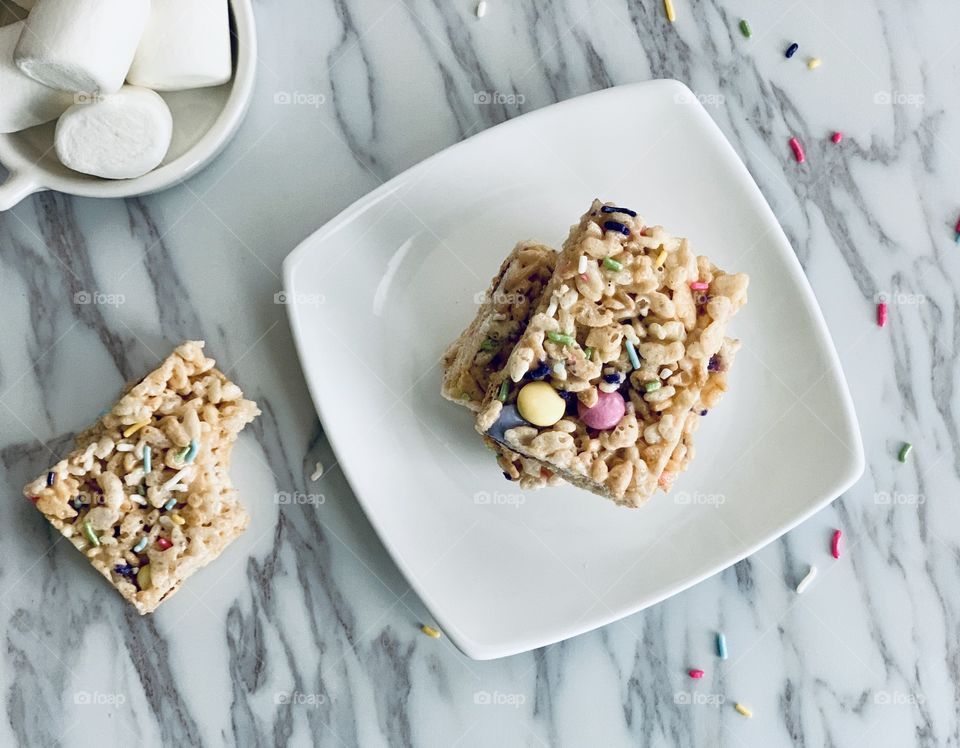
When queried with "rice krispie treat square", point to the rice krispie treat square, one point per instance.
{"points": [[600, 385], [146, 495]]}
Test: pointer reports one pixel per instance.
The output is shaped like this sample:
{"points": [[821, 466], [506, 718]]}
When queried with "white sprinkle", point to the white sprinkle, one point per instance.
{"points": [[807, 580], [317, 472], [582, 267], [175, 480], [481, 8], [552, 307], [665, 373], [138, 499], [177, 487], [125, 447]]}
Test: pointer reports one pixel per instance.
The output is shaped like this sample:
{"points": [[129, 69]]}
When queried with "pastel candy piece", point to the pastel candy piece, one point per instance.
{"points": [[540, 404], [509, 419], [606, 414]]}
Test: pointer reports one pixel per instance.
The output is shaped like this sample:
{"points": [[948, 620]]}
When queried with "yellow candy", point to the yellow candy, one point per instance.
{"points": [[540, 404]]}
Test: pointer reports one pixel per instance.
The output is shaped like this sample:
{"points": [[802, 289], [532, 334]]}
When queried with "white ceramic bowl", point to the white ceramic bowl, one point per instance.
{"points": [[204, 120]]}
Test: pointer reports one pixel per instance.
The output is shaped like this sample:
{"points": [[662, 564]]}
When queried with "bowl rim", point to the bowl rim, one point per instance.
{"points": [[26, 177]]}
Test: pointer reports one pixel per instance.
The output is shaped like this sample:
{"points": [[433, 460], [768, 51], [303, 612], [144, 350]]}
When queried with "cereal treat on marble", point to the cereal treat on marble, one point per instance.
{"points": [[599, 387], [506, 307], [146, 495]]}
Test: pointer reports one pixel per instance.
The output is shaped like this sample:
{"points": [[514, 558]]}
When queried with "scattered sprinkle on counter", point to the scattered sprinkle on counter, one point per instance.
{"points": [[721, 646], [807, 580], [905, 451], [797, 149], [837, 137], [835, 543], [745, 28], [791, 50], [814, 62], [957, 231], [696, 674], [481, 8], [671, 13], [741, 709], [430, 631], [882, 314], [317, 471]]}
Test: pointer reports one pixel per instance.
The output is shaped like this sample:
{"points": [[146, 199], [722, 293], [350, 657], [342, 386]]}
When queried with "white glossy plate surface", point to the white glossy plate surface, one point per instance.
{"points": [[376, 295]]}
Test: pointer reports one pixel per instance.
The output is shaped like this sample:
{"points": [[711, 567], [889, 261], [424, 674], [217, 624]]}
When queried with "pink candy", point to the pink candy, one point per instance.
{"points": [[606, 414]]}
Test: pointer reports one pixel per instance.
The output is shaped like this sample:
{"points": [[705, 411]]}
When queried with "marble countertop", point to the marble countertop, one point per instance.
{"points": [[305, 631]]}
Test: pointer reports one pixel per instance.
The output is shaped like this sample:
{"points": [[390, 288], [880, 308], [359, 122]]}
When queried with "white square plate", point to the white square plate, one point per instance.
{"points": [[376, 295]]}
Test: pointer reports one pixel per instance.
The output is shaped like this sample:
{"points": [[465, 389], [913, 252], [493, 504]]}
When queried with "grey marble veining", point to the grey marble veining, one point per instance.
{"points": [[305, 632]]}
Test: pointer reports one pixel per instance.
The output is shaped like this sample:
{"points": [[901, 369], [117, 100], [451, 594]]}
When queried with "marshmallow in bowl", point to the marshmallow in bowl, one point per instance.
{"points": [[115, 136], [186, 45], [82, 45], [24, 102]]}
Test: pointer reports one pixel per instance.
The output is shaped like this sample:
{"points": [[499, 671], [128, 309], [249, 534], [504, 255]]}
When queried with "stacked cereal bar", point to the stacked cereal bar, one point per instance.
{"points": [[146, 495], [472, 359], [602, 387]]}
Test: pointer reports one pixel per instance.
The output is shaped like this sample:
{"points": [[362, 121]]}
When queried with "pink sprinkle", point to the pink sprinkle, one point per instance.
{"points": [[697, 674], [958, 226], [699, 286], [797, 150], [882, 314], [835, 543], [163, 544], [837, 137]]}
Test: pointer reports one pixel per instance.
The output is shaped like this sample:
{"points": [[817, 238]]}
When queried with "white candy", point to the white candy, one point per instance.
{"points": [[82, 45], [24, 102], [117, 136], [186, 45]]}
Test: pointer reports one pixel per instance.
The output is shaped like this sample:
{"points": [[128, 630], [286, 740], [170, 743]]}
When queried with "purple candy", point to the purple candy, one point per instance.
{"points": [[606, 414]]}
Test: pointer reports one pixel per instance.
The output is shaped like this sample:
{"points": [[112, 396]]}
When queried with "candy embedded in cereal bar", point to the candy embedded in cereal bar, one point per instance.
{"points": [[625, 335], [504, 311], [146, 495]]}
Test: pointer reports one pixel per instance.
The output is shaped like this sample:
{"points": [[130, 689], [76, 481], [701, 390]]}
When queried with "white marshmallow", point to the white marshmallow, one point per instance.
{"points": [[24, 102], [116, 136], [186, 45], [82, 45]]}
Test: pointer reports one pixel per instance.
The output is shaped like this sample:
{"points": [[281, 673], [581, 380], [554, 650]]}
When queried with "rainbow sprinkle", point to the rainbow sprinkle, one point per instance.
{"points": [[807, 580], [837, 137], [610, 264], [171, 503], [582, 266], [797, 150], [721, 646], [661, 258], [882, 314], [147, 457], [791, 50], [743, 710], [904, 451], [177, 519], [163, 544], [141, 544], [504, 389], [430, 631], [745, 28], [699, 286], [90, 535], [134, 428], [696, 674], [671, 13], [814, 62], [632, 353], [835, 543], [560, 338]]}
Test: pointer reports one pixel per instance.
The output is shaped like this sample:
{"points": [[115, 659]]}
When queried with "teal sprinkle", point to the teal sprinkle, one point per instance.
{"points": [[632, 353], [190, 452], [141, 544], [721, 646], [170, 504]]}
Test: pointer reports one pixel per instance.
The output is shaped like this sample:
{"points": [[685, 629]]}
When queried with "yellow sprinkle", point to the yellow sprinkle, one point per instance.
{"points": [[743, 710], [661, 258], [144, 577], [814, 62], [671, 14], [177, 519], [430, 631], [131, 430]]}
